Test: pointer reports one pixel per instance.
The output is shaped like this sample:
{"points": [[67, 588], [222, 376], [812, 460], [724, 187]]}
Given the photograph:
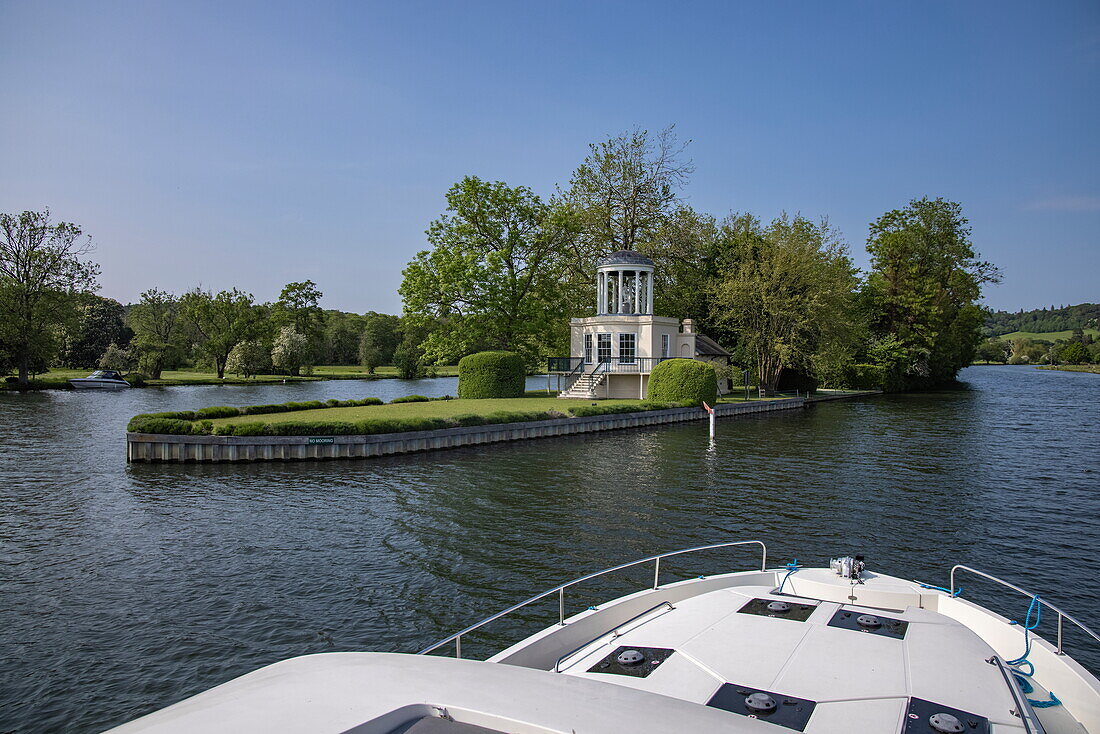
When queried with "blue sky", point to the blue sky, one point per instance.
{"points": [[237, 144]]}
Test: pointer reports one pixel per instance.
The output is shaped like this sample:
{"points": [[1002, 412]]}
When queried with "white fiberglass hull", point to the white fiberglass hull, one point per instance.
{"points": [[88, 383], [832, 656]]}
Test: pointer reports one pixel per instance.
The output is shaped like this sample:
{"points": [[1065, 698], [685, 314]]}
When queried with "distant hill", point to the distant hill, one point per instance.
{"points": [[1043, 320]]}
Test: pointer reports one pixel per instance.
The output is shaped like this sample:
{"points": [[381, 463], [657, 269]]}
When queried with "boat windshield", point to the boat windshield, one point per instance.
{"points": [[104, 375]]}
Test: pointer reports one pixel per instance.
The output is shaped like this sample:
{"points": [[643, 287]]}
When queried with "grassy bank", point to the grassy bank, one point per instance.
{"points": [[1093, 368], [371, 416], [58, 379]]}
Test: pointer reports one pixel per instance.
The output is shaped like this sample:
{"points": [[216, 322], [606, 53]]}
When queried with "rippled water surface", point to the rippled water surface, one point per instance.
{"points": [[127, 588]]}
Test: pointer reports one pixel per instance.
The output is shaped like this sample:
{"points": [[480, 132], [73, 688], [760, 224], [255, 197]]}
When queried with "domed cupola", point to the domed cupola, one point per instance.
{"points": [[624, 284]]}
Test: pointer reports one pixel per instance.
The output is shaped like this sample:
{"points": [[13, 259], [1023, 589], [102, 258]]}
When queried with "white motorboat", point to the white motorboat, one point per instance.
{"points": [[820, 650], [100, 380]]}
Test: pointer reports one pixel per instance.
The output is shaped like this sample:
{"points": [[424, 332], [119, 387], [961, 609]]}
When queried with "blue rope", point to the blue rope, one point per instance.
{"points": [[791, 568], [1023, 675], [958, 591]]}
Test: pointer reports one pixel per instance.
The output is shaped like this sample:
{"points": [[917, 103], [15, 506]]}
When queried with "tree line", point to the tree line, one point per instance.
{"points": [[1080, 348], [1042, 320], [506, 269], [50, 315]]}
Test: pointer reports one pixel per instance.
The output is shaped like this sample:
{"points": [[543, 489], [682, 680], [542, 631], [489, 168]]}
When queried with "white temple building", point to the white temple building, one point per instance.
{"points": [[613, 352]]}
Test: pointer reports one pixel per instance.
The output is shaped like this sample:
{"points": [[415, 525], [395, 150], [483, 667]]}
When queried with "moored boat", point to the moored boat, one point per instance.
{"points": [[100, 380], [822, 650]]}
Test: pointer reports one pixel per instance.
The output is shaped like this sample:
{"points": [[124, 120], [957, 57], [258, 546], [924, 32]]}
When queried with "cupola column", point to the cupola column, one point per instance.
{"points": [[649, 292]]}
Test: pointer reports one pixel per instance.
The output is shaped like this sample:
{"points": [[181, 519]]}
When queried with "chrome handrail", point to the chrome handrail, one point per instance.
{"points": [[1042, 601], [614, 632], [560, 590]]}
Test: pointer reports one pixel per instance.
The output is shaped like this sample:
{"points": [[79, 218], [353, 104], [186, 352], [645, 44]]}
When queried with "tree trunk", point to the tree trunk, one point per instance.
{"points": [[24, 374], [219, 364]]}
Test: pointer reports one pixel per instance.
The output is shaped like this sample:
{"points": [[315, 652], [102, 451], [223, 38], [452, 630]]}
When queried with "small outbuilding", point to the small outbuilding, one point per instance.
{"points": [[613, 352]]}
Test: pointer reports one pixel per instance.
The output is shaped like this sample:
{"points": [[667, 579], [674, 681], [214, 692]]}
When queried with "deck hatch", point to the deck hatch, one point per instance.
{"points": [[775, 708], [876, 624], [798, 611], [925, 716], [637, 662]]}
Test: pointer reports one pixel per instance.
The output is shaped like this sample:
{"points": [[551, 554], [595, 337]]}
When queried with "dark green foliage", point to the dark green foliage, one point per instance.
{"points": [[586, 411], [683, 380], [864, 377], [217, 411], [491, 375], [282, 407], [1042, 320], [410, 399], [153, 424], [1073, 353]]}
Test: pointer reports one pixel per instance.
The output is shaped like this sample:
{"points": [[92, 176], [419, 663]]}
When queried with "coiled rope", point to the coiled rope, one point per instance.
{"points": [[1023, 676]]}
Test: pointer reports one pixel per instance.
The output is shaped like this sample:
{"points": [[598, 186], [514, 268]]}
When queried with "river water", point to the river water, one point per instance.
{"points": [[126, 588]]}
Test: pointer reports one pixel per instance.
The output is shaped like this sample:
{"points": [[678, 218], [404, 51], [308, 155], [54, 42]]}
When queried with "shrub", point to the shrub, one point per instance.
{"points": [[410, 399], [217, 411], [491, 375], [152, 424], [585, 411], [683, 380], [864, 377]]}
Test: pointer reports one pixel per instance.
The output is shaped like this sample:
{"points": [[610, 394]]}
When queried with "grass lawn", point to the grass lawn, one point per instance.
{"points": [[1050, 336], [431, 409]]}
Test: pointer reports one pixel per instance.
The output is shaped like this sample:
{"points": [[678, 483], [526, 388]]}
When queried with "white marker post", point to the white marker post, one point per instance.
{"points": [[711, 411]]}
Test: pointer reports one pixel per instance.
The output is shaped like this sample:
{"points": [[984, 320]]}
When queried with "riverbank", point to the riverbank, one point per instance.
{"points": [[58, 379], [1090, 368]]}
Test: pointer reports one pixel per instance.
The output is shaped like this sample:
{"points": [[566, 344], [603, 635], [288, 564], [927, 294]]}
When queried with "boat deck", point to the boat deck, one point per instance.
{"points": [[815, 655]]}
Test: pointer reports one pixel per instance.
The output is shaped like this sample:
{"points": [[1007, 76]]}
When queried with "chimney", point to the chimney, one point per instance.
{"points": [[689, 326]]}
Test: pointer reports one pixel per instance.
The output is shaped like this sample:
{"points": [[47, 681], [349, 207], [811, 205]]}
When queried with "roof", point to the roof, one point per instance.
{"points": [[707, 347], [625, 257]]}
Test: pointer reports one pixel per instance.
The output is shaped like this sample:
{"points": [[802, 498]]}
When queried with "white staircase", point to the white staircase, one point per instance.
{"points": [[585, 386]]}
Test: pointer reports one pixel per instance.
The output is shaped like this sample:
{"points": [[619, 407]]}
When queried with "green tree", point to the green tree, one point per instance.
{"points": [[342, 333], [218, 322], [624, 193], [299, 306], [248, 358], [291, 351], [789, 292], [155, 321], [117, 358], [98, 325], [993, 350], [924, 285], [1073, 353], [42, 277], [493, 275]]}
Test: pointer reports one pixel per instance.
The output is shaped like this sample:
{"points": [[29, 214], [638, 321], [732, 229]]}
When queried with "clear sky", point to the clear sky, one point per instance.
{"points": [[251, 144]]}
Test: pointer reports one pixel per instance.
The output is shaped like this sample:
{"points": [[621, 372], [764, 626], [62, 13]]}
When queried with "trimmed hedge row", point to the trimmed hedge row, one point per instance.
{"points": [[491, 375], [196, 425], [683, 381]]}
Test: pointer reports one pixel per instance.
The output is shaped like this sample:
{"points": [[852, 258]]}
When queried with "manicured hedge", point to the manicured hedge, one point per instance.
{"points": [[491, 375], [686, 381], [411, 399]]}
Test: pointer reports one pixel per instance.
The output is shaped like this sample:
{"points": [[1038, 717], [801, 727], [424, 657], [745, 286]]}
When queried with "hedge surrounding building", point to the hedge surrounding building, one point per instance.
{"points": [[686, 381], [491, 375]]}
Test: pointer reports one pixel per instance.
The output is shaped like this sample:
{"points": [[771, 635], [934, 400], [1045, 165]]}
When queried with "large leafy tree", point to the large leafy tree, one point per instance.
{"points": [[623, 196], [98, 325], [43, 275], [219, 322], [299, 305], [787, 290], [924, 287], [493, 277], [155, 321]]}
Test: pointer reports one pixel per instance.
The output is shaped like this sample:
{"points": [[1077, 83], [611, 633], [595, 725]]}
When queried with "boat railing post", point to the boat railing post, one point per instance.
{"points": [[458, 646], [561, 606], [656, 572], [1060, 634]]}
